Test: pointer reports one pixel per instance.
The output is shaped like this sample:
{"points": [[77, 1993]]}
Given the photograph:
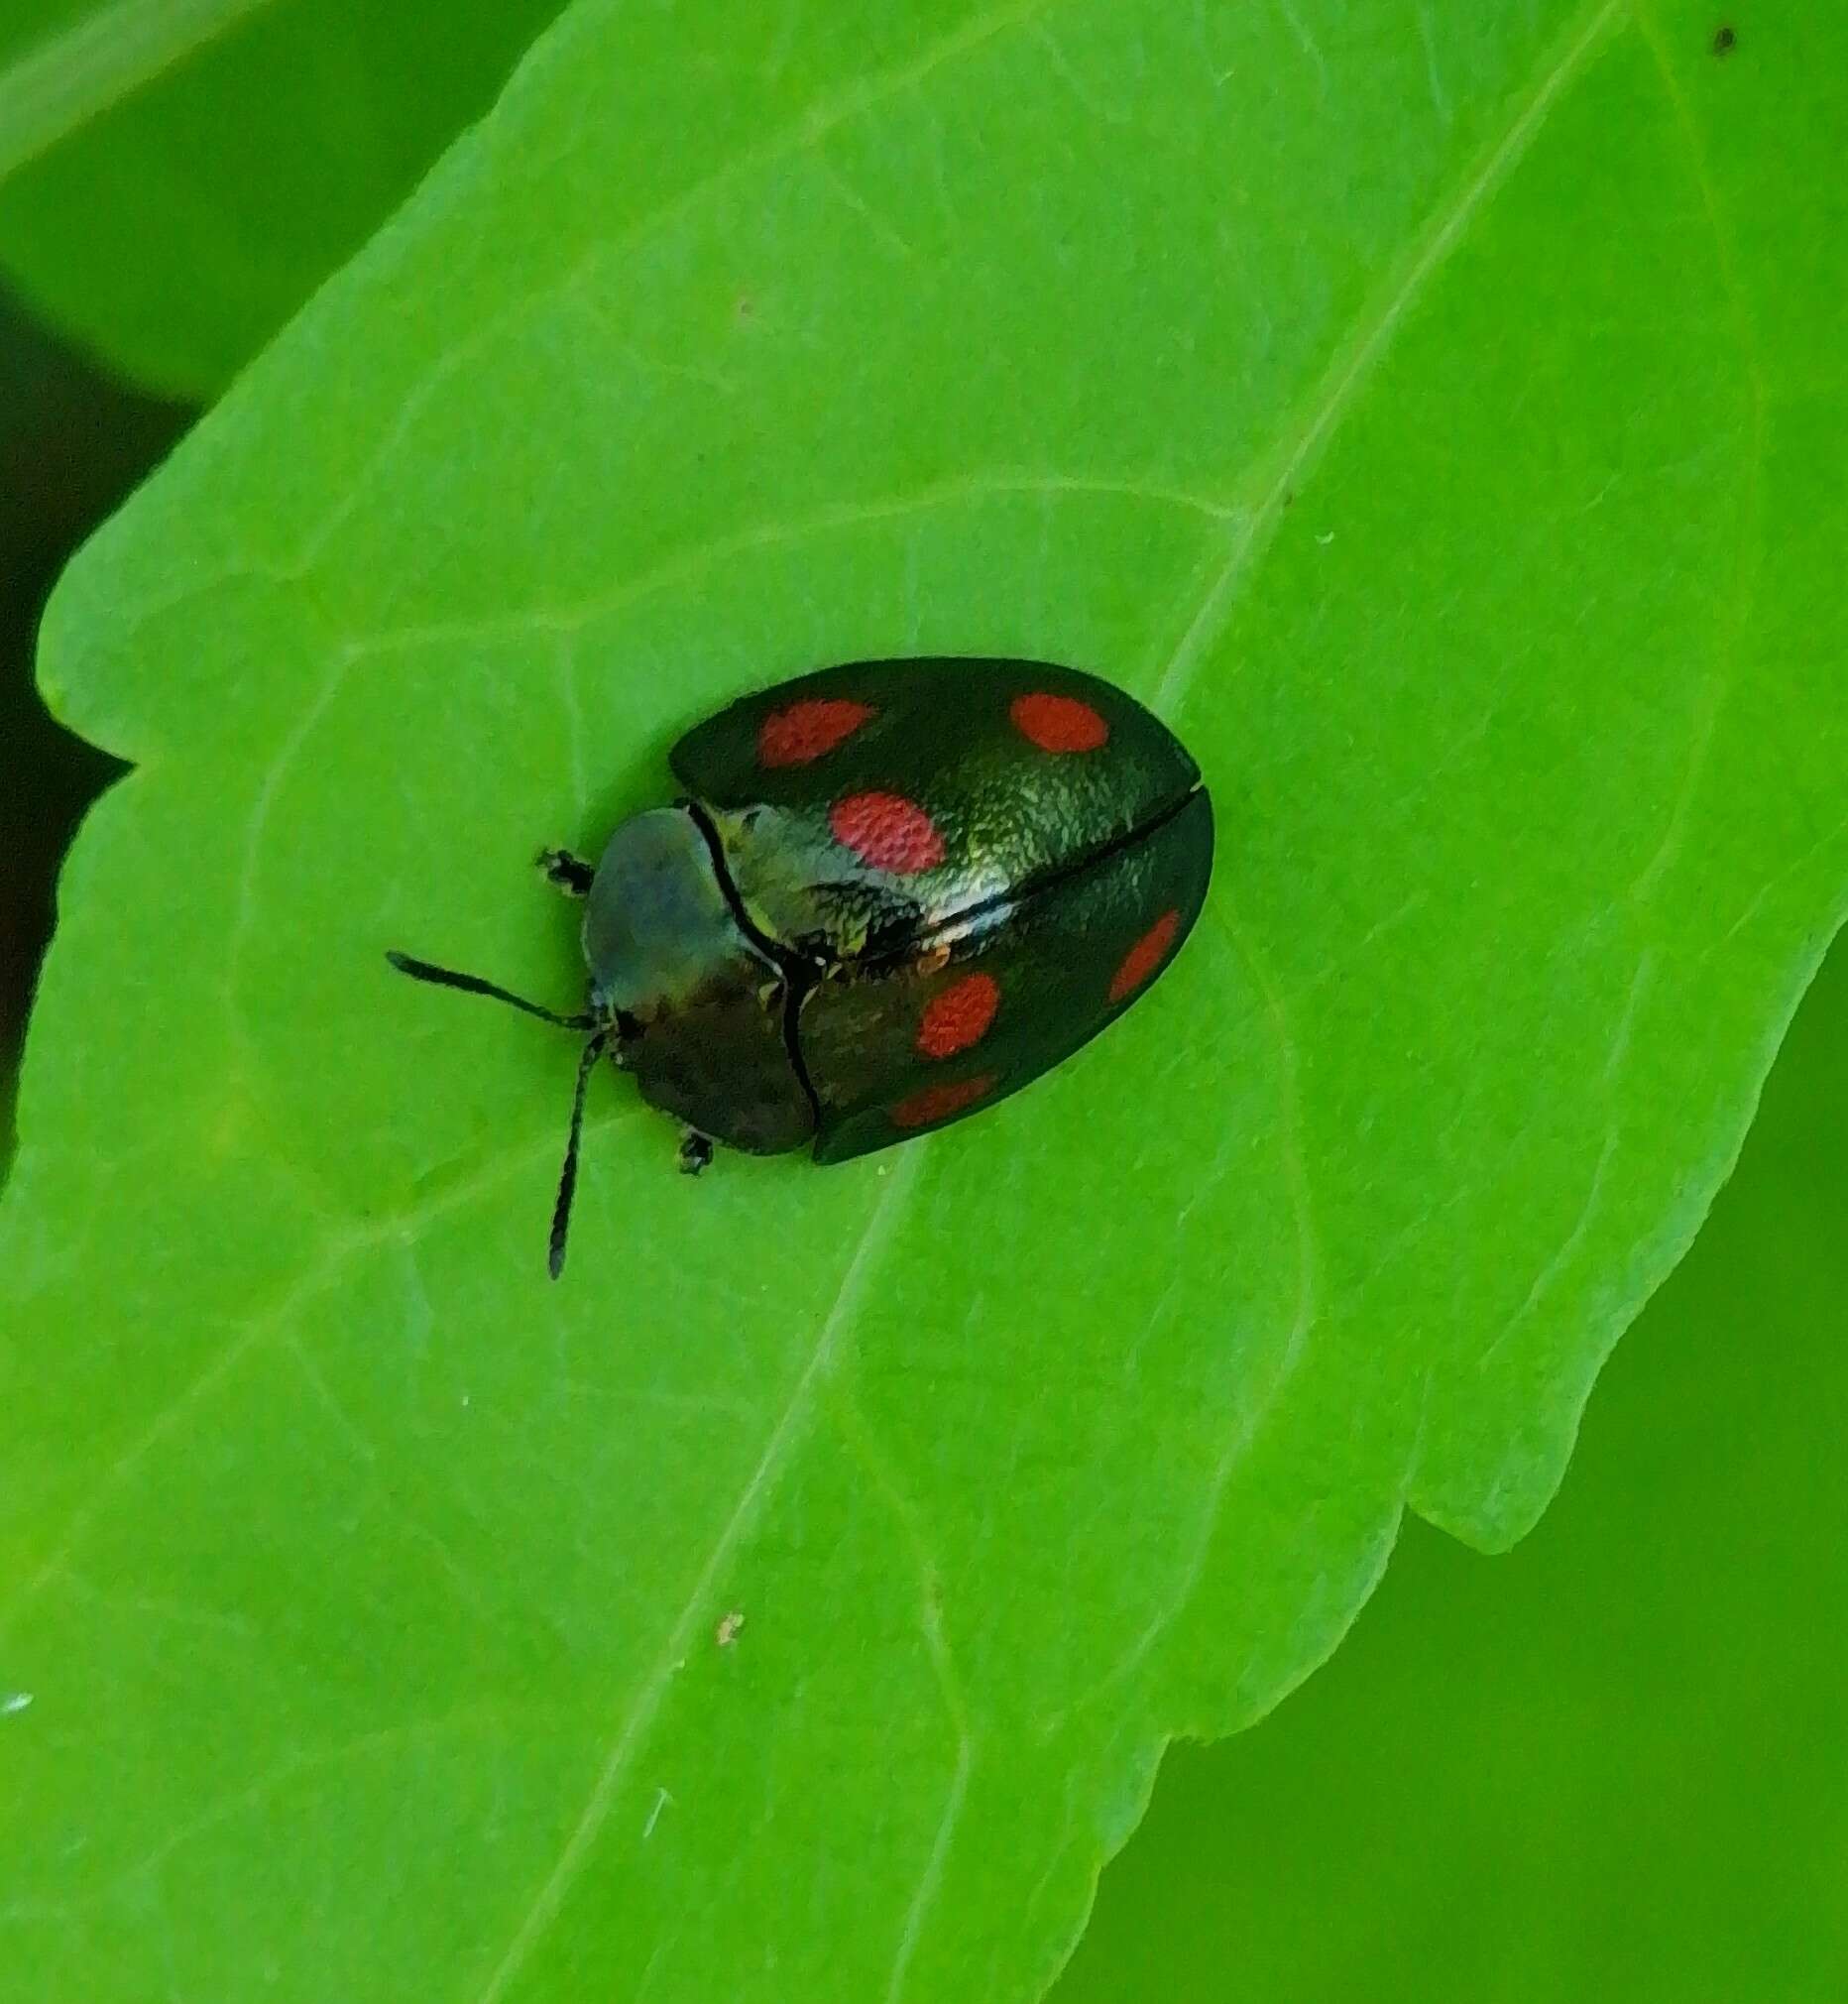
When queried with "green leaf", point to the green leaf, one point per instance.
{"points": [[1429, 412], [178, 176], [1614, 1766]]}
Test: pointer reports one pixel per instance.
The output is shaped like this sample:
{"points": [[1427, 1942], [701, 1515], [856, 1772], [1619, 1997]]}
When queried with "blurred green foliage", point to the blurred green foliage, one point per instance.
{"points": [[1612, 1764], [178, 176]]}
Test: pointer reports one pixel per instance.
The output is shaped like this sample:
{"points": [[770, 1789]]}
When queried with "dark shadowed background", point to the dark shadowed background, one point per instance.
{"points": [[74, 442]]}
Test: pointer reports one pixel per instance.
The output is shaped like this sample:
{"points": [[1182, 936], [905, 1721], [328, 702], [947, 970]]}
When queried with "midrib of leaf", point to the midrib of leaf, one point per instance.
{"points": [[57, 87]]}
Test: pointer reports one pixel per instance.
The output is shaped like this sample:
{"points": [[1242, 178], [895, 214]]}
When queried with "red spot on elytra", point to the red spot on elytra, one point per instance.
{"points": [[959, 1017], [803, 731], [887, 830], [1058, 723], [1146, 956], [938, 1102]]}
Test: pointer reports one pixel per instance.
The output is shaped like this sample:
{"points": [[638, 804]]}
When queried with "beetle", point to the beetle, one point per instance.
{"points": [[892, 892]]}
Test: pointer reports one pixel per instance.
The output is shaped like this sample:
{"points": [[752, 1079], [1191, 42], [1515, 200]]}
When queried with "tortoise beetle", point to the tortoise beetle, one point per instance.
{"points": [[894, 892]]}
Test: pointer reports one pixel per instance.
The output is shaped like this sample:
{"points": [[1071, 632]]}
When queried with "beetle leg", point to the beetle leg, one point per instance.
{"points": [[695, 1152], [571, 873]]}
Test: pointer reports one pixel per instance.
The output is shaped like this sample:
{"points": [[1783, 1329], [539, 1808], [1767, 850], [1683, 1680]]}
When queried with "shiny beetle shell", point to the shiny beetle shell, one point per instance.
{"points": [[940, 878]]}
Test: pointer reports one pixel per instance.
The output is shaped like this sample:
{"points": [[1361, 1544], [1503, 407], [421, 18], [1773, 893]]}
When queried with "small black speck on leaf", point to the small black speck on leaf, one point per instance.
{"points": [[1723, 39]]}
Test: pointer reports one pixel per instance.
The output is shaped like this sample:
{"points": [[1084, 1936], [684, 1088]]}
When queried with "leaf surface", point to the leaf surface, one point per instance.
{"points": [[1421, 411]]}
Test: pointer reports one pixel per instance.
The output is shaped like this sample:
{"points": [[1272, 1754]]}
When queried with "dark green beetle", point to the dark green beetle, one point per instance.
{"points": [[895, 892]]}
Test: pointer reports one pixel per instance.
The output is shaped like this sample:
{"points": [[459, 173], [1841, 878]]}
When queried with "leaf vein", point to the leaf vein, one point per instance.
{"points": [[1747, 539], [800, 135], [265, 1323], [1239, 1437], [858, 1434], [639, 1715], [686, 565], [1314, 422]]}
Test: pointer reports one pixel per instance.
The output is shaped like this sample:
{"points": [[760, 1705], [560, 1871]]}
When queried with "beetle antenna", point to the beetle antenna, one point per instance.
{"points": [[472, 984], [567, 1176]]}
